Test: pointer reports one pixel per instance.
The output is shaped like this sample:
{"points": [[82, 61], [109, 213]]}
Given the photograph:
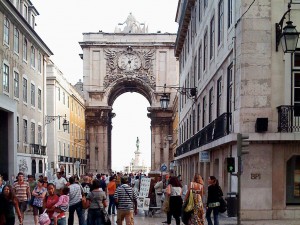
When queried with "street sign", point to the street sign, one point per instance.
{"points": [[163, 167], [204, 156]]}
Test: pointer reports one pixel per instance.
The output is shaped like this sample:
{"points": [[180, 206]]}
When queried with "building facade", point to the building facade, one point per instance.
{"points": [[65, 106], [227, 50], [23, 58]]}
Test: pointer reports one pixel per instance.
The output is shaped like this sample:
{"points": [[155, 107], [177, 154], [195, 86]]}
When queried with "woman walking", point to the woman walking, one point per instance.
{"points": [[96, 200], [213, 200], [174, 191], [8, 205], [38, 193], [197, 214], [111, 188]]}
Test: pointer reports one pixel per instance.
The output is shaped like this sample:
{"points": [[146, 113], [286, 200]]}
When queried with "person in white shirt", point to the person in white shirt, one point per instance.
{"points": [[158, 191], [60, 182], [75, 202]]}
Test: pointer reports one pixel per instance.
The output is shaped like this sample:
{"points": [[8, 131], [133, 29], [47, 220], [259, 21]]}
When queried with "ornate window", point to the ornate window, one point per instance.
{"points": [[221, 22], [32, 97], [25, 131], [39, 99], [24, 89], [212, 37], [25, 49], [16, 40], [5, 78], [16, 84], [32, 58], [6, 31]]}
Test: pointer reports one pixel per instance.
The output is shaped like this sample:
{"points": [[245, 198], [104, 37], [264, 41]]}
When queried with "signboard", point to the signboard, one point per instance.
{"points": [[204, 156], [163, 167], [145, 186]]}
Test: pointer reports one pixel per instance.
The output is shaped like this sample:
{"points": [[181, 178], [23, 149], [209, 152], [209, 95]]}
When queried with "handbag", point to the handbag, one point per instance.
{"points": [[166, 204], [44, 218], [85, 204], [105, 217], [104, 214], [190, 203], [223, 205], [31, 200]]}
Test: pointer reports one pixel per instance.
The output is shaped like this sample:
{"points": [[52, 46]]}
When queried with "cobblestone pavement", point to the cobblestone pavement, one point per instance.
{"points": [[159, 218]]}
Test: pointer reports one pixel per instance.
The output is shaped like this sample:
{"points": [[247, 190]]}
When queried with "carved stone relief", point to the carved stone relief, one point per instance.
{"points": [[129, 64]]}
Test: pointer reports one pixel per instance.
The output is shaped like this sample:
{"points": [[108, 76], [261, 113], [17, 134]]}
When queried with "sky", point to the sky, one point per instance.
{"points": [[61, 24]]}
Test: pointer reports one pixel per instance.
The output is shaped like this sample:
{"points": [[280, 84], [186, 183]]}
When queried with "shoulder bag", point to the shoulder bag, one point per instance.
{"points": [[190, 202], [223, 204], [104, 214]]}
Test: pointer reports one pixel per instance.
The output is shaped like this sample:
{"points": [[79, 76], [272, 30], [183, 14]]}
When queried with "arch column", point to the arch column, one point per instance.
{"points": [[98, 123], [161, 130]]}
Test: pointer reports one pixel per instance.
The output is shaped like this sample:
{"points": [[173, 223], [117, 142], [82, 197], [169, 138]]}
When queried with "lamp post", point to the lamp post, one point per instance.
{"points": [[288, 35], [50, 119], [165, 99]]}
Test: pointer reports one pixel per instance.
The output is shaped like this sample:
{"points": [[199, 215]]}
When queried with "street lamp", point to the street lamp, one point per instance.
{"points": [[50, 119], [288, 35], [165, 98]]}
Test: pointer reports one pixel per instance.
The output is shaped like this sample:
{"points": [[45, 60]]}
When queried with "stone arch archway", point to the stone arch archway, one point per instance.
{"points": [[117, 63]]}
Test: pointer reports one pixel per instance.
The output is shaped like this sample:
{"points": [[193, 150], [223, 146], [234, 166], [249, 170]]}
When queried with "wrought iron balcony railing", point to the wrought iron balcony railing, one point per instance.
{"points": [[37, 149], [220, 127], [288, 118]]}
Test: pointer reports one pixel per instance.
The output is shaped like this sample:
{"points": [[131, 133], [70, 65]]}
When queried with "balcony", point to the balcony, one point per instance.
{"points": [[220, 127], [288, 118], [37, 149], [61, 158]]}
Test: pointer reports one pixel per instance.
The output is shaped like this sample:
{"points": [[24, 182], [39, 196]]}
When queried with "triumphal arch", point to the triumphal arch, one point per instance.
{"points": [[128, 60]]}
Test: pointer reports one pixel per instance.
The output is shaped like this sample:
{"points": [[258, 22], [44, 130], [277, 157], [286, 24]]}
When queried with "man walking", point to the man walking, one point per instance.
{"points": [[60, 182], [75, 202], [126, 198], [22, 192]]}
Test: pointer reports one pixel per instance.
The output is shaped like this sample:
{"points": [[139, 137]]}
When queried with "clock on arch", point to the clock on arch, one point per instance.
{"points": [[129, 61]]}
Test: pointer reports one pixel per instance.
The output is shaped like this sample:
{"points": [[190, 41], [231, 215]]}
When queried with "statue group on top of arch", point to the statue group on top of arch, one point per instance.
{"points": [[129, 64], [132, 26]]}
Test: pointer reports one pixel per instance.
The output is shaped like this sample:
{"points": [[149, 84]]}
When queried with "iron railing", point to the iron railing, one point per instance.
{"points": [[288, 118], [37, 149], [218, 128]]}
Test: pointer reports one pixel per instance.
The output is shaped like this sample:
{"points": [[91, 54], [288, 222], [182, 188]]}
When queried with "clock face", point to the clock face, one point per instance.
{"points": [[129, 62]]}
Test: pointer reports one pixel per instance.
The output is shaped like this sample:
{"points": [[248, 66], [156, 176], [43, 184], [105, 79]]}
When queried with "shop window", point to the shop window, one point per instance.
{"points": [[293, 181]]}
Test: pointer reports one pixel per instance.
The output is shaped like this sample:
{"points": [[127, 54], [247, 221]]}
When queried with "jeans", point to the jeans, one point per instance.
{"points": [[94, 217], [216, 215], [79, 211], [61, 221], [112, 205]]}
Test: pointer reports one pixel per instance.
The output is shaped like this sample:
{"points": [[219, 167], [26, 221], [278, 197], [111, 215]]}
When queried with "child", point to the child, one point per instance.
{"points": [[62, 204]]}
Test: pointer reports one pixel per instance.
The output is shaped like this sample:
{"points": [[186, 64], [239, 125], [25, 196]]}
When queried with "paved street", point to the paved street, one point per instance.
{"points": [[157, 219]]}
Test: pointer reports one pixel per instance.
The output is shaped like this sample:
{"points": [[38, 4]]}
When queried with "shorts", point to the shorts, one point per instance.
{"points": [[23, 206], [37, 210]]}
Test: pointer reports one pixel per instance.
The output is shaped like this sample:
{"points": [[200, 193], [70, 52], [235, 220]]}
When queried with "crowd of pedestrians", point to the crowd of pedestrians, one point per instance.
{"points": [[90, 196]]}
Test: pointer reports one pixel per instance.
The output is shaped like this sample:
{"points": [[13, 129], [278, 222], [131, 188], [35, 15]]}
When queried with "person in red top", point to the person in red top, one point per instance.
{"points": [[49, 204], [111, 188]]}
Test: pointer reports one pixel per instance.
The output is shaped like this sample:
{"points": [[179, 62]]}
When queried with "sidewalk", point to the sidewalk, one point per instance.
{"points": [[159, 218]]}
